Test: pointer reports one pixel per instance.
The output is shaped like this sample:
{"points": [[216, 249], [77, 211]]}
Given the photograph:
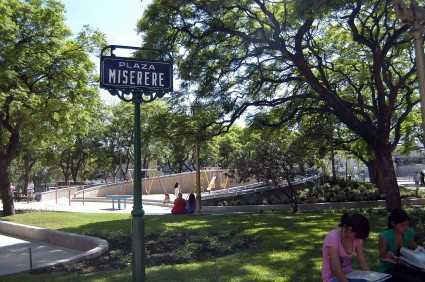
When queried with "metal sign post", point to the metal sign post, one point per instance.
{"points": [[138, 81]]}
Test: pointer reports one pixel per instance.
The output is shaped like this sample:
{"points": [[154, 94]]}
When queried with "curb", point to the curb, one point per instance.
{"points": [[306, 207], [91, 247]]}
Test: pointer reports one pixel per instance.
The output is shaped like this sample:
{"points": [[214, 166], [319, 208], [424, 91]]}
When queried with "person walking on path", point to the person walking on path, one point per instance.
{"points": [[417, 178], [30, 191], [177, 189]]}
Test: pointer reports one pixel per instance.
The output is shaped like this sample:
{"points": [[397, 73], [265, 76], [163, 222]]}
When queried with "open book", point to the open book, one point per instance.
{"points": [[415, 258], [367, 276]]}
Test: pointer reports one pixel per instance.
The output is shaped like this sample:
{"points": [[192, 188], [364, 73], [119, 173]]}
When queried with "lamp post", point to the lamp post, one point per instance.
{"points": [[414, 16], [136, 81], [417, 34], [137, 225]]}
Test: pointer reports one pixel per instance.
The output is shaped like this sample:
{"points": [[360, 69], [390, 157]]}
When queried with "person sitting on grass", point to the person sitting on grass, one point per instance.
{"points": [[398, 235], [191, 204], [341, 244], [179, 205]]}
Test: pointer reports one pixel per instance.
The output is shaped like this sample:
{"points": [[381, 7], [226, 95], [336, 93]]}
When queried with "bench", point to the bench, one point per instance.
{"points": [[119, 198], [18, 196]]}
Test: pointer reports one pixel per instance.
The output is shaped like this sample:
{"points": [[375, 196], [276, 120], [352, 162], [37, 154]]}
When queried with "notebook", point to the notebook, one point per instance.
{"points": [[415, 258], [367, 276]]}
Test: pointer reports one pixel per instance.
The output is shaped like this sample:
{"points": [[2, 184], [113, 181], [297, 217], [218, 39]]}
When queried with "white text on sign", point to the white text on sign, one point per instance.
{"points": [[133, 73]]}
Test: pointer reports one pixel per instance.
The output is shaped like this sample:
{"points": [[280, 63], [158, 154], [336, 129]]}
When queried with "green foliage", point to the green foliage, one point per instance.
{"points": [[46, 79], [351, 60], [340, 191], [276, 157], [306, 8], [228, 147]]}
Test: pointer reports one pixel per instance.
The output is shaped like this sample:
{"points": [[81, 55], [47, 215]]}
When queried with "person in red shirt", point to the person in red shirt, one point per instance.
{"points": [[179, 205]]}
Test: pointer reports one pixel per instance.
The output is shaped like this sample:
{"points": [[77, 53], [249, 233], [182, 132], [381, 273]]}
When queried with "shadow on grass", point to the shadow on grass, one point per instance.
{"points": [[288, 248]]}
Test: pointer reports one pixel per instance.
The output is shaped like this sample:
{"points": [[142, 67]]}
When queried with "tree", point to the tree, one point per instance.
{"points": [[351, 59], [183, 126], [43, 75], [277, 156], [228, 145]]}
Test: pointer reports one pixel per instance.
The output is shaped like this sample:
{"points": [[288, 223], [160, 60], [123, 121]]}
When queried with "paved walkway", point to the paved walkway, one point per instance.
{"points": [[14, 255], [92, 207], [102, 207]]}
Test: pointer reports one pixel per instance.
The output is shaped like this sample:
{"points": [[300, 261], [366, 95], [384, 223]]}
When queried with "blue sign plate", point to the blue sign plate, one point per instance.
{"points": [[118, 73]]}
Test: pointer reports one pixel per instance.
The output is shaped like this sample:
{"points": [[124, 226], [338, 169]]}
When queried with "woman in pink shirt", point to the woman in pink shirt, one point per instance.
{"points": [[341, 244]]}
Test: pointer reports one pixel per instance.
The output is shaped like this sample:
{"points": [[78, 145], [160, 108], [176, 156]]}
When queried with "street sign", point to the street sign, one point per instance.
{"points": [[148, 75], [138, 81]]}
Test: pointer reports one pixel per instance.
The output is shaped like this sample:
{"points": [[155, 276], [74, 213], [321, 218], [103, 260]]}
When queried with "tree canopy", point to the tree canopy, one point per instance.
{"points": [[46, 77], [351, 59]]}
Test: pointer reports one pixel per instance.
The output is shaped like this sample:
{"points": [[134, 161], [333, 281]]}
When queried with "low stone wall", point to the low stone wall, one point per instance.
{"points": [[306, 207], [122, 188], [90, 246]]}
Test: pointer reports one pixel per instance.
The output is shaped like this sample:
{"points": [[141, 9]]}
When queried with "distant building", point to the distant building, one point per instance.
{"points": [[408, 165]]}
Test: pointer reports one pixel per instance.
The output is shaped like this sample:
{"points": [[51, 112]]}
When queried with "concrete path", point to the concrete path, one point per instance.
{"points": [[92, 207], [14, 255], [149, 208]]}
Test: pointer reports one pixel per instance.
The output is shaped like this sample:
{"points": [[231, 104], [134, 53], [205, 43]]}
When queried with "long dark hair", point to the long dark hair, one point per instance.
{"points": [[358, 223], [192, 199], [397, 216], [176, 185]]}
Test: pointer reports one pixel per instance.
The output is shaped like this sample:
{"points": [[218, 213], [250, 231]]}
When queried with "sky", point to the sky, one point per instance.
{"points": [[117, 19]]}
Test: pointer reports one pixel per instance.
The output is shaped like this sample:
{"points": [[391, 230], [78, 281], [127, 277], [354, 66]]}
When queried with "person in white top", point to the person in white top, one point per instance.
{"points": [[177, 189], [12, 188], [30, 190]]}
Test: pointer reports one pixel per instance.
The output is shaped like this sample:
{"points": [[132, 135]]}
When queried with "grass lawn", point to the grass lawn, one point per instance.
{"points": [[288, 246]]}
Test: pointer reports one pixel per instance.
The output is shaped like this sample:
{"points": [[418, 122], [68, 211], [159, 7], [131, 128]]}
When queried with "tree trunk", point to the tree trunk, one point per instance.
{"points": [[346, 169], [371, 171], [333, 164], [65, 165], [74, 176], [198, 179], [6, 193], [25, 181], [291, 193], [81, 157], [127, 164], [302, 168], [115, 172], [145, 166], [28, 165], [385, 177]]}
